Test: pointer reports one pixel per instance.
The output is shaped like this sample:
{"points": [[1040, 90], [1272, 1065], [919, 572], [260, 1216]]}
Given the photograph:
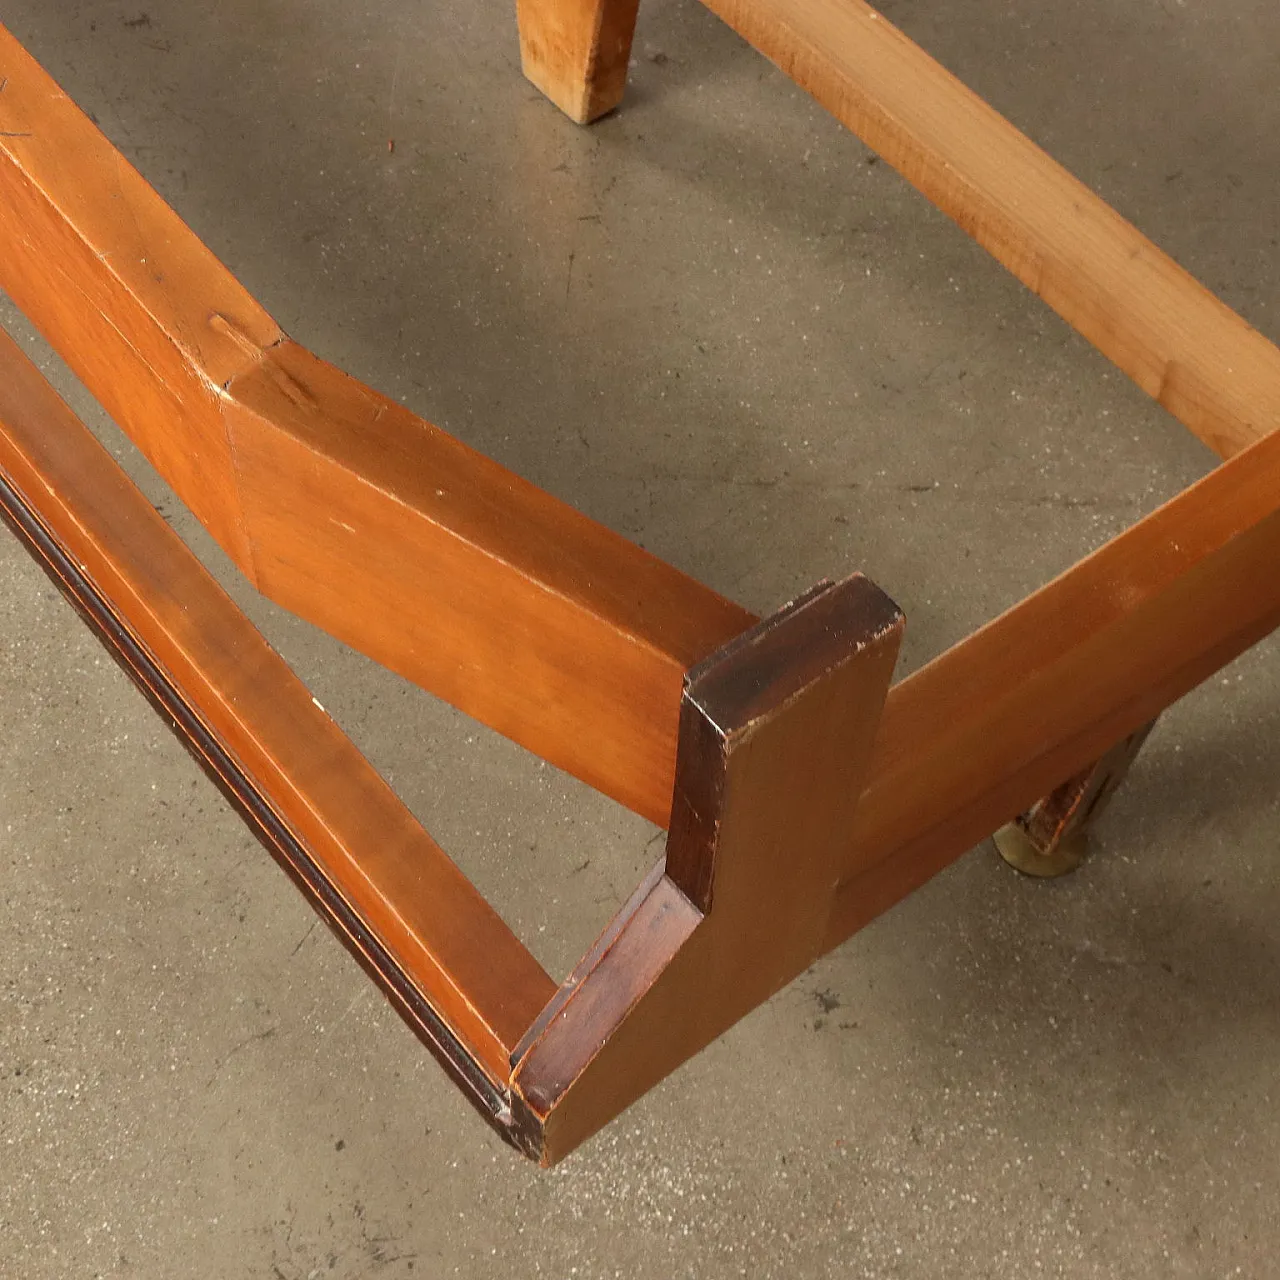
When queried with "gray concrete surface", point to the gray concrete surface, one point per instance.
{"points": [[715, 324]]}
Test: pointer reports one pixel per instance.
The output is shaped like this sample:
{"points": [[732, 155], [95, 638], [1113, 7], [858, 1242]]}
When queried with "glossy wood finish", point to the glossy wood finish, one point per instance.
{"points": [[981, 733], [576, 52], [116, 282], [963, 746], [334, 500], [776, 733], [803, 799], [466, 579], [392, 892]]}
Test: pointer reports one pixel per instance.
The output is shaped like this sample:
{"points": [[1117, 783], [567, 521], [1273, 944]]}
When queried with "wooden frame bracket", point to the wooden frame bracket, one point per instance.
{"points": [[776, 732], [803, 792]]}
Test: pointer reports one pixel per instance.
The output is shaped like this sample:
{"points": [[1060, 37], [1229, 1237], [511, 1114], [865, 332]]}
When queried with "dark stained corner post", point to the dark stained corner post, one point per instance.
{"points": [[1052, 837], [776, 735], [577, 51]]}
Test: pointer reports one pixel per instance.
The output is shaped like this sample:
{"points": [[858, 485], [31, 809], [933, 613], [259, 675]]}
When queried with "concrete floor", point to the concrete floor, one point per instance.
{"points": [[717, 325]]}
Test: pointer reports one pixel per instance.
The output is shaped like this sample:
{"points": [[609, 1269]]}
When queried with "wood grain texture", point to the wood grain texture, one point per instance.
{"points": [[1179, 343], [776, 733], [139, 308], [576, 52], [334, 500], [981, 733], [439, 932], [463, 577]]}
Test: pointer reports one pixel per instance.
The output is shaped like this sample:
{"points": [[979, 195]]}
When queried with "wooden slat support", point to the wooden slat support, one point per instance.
{"points": [[1207, 366], [576, 52], [804, 796], [445, 958], [775, 735], [1052, 837], [334, 500], [1212, 371]]}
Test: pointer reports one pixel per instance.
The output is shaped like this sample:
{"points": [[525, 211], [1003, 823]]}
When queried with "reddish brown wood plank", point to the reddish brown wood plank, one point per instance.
{"points": [[458, 574], [986, 729], [112, 277], [962, 746], [455, 949]]}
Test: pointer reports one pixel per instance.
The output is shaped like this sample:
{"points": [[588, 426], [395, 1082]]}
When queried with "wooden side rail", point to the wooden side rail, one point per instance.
{"points": [[987, 728], [448, 962], [334, 500], [1212, 371]]}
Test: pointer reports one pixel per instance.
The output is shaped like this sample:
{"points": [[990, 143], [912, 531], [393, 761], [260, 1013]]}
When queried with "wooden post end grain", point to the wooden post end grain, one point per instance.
{"points": [[776, 734]]}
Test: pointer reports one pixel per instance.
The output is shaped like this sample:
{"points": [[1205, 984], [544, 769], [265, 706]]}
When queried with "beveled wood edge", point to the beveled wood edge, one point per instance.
{"points": [[1202, 575], [1068, 672], [256, 809], [777, 730], [87, 525]]}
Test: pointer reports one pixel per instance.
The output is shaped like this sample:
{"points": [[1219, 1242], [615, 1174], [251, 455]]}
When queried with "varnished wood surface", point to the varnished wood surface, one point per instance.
{"points": [[454, 949], [776, 734], [116, 282], [1179, 343], [334, 500], [961, 747], [795, 819], [986, 729], [461, 576]]}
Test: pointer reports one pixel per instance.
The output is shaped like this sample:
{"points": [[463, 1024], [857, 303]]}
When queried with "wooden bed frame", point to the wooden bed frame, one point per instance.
{"points": [[803, 793]]}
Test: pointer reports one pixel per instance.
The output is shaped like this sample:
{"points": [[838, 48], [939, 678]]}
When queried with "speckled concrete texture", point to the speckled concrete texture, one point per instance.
{"points": [[718, 325]]}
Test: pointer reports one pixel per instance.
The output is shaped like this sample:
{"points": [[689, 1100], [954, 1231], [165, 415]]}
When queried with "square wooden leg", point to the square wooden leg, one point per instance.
{"points": [[576, 52]]}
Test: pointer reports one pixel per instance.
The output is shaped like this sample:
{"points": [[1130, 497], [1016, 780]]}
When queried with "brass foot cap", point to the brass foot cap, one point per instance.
{"points": [[1021, 853]]}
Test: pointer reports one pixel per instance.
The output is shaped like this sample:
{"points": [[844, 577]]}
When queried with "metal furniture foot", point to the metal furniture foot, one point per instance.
{"points": [[1052, 837]]}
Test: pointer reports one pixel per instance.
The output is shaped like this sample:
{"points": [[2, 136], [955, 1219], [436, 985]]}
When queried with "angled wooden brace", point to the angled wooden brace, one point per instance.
{"points": [[445, 959], [776, 734]]}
